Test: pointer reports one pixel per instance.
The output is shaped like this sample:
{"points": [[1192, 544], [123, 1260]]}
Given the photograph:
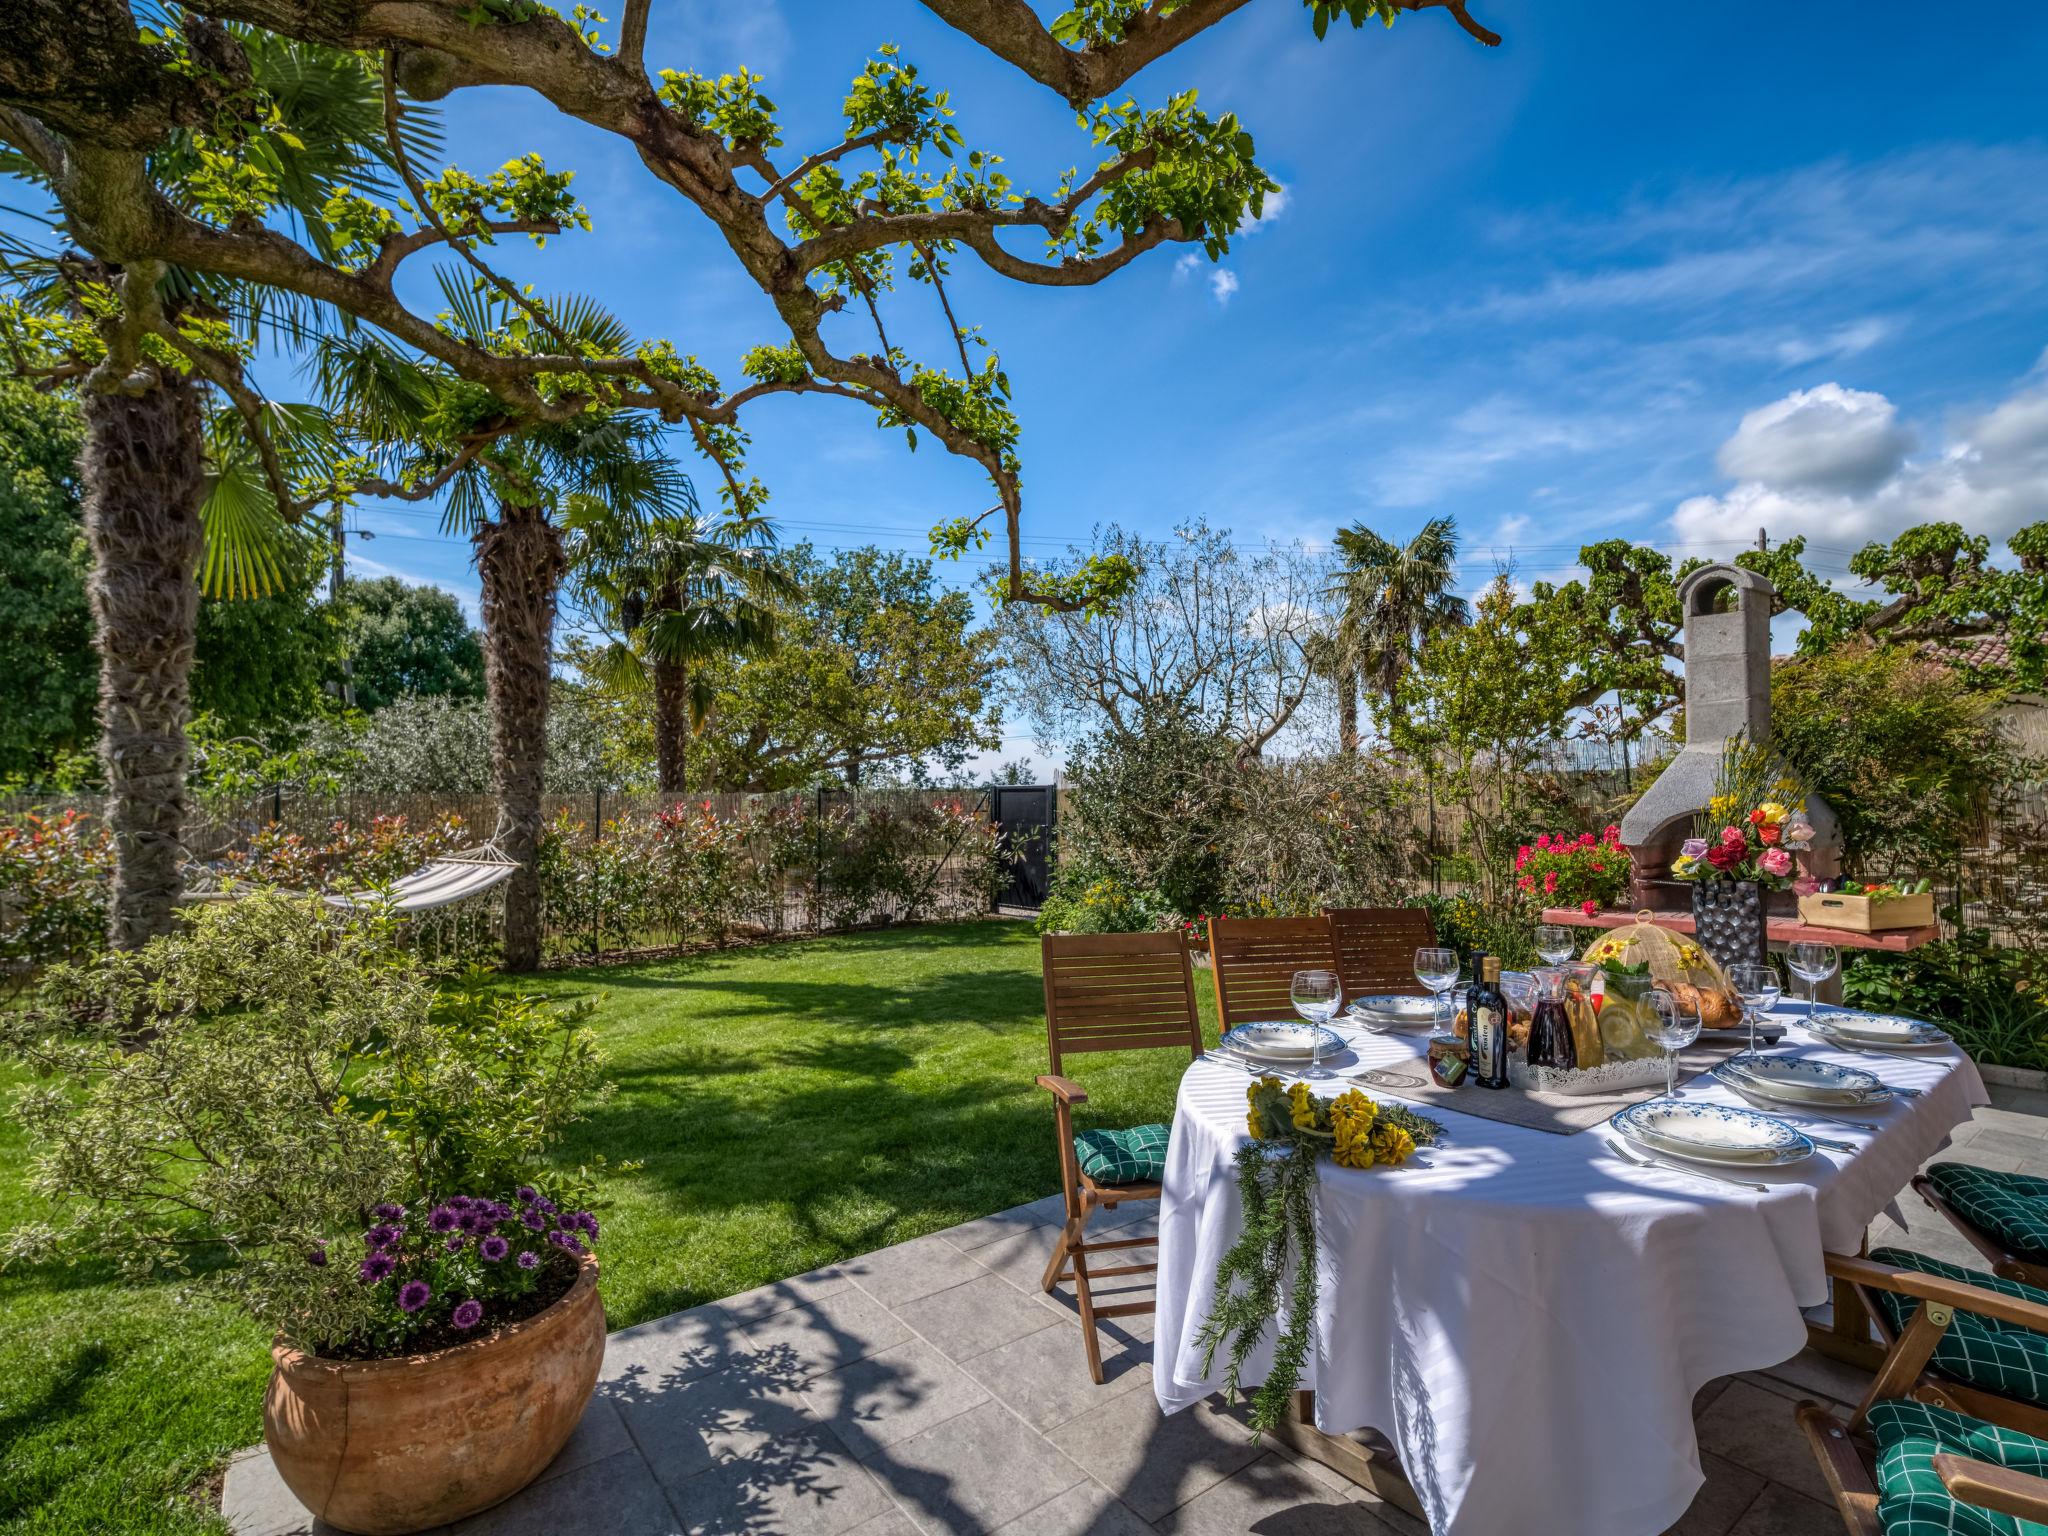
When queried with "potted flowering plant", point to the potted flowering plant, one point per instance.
{"points": [[357, 1153], [1587, 872], [1745, 843]]}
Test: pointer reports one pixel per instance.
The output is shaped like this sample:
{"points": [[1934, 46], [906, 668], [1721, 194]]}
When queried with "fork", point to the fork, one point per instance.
{"points": [[1614, 1145]]}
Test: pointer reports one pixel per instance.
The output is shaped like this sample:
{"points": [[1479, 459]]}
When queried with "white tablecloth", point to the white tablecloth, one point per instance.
{"points": [[1528, 1316]]}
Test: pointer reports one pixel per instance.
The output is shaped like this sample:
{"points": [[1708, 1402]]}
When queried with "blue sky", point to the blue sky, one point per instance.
{"points": [[1664, 273]]}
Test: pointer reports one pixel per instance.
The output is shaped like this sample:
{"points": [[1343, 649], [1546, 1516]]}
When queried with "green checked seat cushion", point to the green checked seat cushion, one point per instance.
{"points": [[2011, 1207], [1910, 1498], [1978, 1351], [1135, 1156]]}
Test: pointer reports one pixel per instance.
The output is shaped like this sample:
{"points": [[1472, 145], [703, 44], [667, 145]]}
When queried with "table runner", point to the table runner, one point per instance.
{"points": [[1526, 1316]]}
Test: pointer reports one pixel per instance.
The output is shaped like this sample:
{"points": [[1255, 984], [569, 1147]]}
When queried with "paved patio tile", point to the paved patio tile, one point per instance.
{"points": [[822, 1335], [685, 1429], [598, 1434], [1044, 1375], [2002, 1142], [1086, 1509], [1727, 1495], [971, 1236], [1272, 1494], [254, 1500], [779, 1295], [974, 1472], [673, 1349], [893, 1394], [804, 1485], [1021, 1257], [1810, 1374], [1154, 1462], [893, 1523], [1778, 1511], [630, 1499], [1754, 1428], [971, 1319], [913, 1269]]}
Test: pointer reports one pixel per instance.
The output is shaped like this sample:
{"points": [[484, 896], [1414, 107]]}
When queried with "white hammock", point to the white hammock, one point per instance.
{"points": [[440, 882]]}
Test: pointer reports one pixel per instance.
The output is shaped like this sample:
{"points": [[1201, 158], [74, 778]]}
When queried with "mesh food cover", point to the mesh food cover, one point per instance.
{"points": [[1676, 963]]}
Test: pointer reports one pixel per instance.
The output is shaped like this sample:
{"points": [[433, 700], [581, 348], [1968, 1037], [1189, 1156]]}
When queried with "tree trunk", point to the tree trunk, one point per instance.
{"points": [[144, 483], [521, 561], [671, 726], [1347, 711]]}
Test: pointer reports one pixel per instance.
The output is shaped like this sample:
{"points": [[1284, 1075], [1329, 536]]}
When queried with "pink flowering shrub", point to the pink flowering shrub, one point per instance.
{"points": [[54, 875], [1587, 872]]}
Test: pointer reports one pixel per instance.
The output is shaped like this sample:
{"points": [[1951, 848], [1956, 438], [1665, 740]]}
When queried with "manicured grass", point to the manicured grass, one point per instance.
{"points": [[790, 1105]]}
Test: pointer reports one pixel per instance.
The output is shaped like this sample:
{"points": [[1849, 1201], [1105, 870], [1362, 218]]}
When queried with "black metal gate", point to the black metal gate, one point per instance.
{"points": [[1024, 815]]}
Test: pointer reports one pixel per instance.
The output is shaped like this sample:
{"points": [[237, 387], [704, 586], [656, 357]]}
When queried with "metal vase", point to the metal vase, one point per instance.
{"points": [[1729, 921]]}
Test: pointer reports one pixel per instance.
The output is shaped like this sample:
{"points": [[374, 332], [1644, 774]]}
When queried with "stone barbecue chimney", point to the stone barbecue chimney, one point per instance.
{"points": [[1727, 613]]}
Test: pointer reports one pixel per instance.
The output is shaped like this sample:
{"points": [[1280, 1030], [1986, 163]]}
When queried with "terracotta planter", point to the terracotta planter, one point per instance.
{"points": [[384, 1447]]}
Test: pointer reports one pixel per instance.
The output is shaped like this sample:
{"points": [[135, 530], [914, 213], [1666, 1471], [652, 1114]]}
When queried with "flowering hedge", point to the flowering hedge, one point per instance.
{"points": [[54, 874], [349, 856], [1587, 872]]}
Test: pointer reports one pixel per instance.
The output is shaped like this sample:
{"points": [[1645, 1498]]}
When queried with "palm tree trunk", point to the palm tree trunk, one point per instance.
{"points": [[521, 560], [671, 726], [1347, 711], [144, 484]]}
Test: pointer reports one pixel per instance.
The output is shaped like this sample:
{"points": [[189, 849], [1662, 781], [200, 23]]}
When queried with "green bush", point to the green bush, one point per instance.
{"points": [[260, 1083], [1083, 900], [1994, 1001]]}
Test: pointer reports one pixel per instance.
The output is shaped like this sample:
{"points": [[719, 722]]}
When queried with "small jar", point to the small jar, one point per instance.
{"points": [[1450, 1060]]}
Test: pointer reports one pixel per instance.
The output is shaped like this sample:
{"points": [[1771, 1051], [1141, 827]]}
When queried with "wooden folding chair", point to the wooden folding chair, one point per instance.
{"points": [[1254, 960], [1376, 948], [1846, 1451], [1998, 1250], [1108, 992]]}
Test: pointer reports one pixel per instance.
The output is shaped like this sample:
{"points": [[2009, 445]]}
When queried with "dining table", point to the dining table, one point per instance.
{"points": [[1522, 1317]]}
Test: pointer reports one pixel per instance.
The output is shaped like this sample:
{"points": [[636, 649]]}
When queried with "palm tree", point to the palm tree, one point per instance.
{"points": [[1394, 597], [155, 496], [675, 591]]}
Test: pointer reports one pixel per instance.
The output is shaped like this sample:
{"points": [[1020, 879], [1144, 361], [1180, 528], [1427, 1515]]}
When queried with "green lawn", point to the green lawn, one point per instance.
{"points": [[790, 1104]]}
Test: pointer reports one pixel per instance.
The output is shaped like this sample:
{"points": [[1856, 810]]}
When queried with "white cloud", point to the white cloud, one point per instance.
{"points": [[1833, 464], [1475, 441], [1822, 439], [1185, 265], [1275, 205], [1223, 283]]}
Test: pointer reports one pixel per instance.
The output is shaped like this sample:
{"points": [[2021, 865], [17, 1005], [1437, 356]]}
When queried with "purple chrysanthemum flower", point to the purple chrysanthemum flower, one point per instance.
{"points": [[533, 1221], [527, 1259], [589, 1224], [317, 1254], [442, 1219], [566, 1240], [493, 1248], [467, 1314], [389, 1211], [455, 1241], [462, 1202], [377, 1266], [413, 1295], [385, 1236], [569, 1221], [527, 1193], [474, 1221], [543, 1204]]}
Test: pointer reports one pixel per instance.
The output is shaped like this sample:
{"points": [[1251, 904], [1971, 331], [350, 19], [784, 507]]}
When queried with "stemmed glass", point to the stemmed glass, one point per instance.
{"points": [[1315, 995], [1674, 1027], [1556, 943], [1759, 988], [1813, 964], [1437, 969]]}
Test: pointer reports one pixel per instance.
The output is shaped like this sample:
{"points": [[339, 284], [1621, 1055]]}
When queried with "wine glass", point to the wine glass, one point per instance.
{"points": [[1315, 995], [1556, 943], [1437, 969], [1759, 988], [1813, 964], [1673, 1026]]}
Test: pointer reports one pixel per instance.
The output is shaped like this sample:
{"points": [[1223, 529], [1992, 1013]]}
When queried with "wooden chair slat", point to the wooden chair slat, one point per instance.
{"points": [[1254, 961], [1376, 947]]}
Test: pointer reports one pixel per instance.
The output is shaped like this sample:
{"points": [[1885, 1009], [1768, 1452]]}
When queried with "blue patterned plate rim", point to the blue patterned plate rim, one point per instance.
{"points": [[1723, 1130], [1792, 1154], [1772, 1075], [1402, 1007], [1919, 1032], [1264, 1038]]}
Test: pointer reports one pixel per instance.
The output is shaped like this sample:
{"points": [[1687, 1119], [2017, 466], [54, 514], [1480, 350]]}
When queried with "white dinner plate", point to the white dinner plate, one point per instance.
{"points": [[1284, 1040], [1879, 1031], [1394, 1010], [1797, 1080], [1711, 1133]]}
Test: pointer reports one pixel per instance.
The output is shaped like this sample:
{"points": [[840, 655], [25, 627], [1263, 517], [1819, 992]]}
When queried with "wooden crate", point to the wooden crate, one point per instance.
{"points": [[1863, 914]]}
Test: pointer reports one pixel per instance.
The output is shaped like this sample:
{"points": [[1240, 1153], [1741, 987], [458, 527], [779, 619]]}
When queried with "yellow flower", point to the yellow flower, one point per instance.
{"points": [[1392, 1145], [1721, 807], [1301, 1106], [1253, 1124], [1773, 812]]}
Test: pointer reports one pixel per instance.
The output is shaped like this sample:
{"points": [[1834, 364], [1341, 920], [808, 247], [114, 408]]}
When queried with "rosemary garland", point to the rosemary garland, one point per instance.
{"points": [[1277, 1175]]}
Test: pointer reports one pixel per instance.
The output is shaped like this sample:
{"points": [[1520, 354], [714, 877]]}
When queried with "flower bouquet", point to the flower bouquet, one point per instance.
{"points": [[1587, 872], [1291, 1129], [1744, 843]]}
